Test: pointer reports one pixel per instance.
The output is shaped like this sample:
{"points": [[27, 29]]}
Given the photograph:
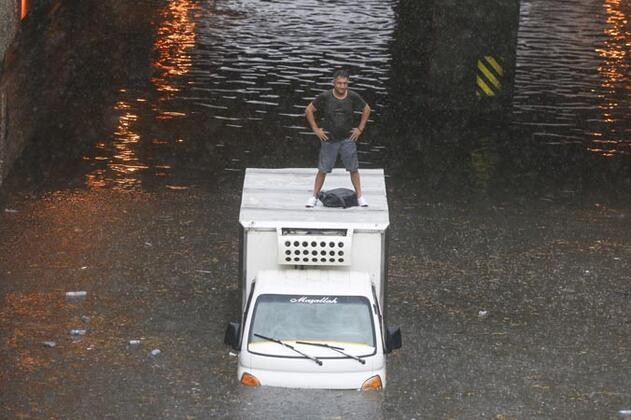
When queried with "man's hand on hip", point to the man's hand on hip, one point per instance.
{"points": [[321, 134], [355, 133]]}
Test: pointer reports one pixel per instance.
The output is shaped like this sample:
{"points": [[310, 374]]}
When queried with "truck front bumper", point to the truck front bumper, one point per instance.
{"points": [[314, 380]]}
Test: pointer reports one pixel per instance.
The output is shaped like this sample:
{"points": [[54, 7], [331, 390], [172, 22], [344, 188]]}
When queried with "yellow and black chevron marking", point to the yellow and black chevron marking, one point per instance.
{"points": [[489, 76]]}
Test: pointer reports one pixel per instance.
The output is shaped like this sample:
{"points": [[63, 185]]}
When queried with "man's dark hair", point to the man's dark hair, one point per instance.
{"points": [[340, 73]]}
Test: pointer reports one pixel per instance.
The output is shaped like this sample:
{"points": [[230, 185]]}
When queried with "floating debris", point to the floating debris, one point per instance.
{"points": [[76, 294], [483, 314], [211, 106], [134, 342], [50, 344], [155, 352], [77, 332], [10, 211]]}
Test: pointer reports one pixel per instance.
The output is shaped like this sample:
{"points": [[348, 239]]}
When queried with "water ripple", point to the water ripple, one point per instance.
{"points": [[572, 77], [233, 72], [262, 52]]}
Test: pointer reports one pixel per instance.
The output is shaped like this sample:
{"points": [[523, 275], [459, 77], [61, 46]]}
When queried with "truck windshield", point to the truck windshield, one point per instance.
{"points": [[344, 321]]}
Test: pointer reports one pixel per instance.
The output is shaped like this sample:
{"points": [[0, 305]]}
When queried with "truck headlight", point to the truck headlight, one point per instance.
{"points": [[373, 382], [250, 380]]}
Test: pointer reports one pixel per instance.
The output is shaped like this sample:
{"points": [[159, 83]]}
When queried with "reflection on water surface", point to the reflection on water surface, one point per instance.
{"points": [[224, 83]]}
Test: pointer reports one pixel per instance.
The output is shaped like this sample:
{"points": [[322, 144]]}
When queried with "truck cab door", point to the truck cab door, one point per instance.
{"points": [[234, 333], [391, 336]]}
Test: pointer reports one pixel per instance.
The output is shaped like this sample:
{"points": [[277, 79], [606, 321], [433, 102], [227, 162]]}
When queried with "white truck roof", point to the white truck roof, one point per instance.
{"points": [[274, 198], [314, 282]]}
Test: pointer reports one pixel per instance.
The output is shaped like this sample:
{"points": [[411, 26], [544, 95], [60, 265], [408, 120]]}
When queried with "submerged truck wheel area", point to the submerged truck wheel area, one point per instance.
{"points": [[313, 285]]}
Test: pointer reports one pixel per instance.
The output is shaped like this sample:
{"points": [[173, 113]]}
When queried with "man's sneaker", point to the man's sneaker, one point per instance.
{"points": [[362, 201], [311, 202]]}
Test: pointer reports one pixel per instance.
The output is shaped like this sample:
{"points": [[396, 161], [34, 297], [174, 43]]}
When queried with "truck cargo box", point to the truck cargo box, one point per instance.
{"points": [[279, 232]]}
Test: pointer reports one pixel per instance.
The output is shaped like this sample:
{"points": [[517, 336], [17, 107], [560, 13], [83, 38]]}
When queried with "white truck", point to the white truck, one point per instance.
{"points": [[313, 284]]}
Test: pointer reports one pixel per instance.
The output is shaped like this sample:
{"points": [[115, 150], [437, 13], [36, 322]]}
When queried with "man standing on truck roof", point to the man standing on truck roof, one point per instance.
{"points": [[338, 133]]}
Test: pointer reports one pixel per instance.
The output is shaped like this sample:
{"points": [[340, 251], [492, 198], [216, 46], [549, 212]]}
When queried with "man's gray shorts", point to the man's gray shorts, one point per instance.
{"points": [[347, 149]]}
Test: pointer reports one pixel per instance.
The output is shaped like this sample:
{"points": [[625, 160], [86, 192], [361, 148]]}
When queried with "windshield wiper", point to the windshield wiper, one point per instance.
{"points": [[337, 349], [289, 346]]}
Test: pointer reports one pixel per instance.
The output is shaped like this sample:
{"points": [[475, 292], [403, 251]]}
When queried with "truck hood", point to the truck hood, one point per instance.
{"points": [[314, 282]]}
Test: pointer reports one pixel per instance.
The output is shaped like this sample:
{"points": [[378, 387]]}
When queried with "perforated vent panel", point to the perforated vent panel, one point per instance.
{"points": [[314, 246]]}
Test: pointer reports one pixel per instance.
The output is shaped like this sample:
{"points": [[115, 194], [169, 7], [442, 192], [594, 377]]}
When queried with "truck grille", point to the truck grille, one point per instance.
{"points": [[314, 246]]}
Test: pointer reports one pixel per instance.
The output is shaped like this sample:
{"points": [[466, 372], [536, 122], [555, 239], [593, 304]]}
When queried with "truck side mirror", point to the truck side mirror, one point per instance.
{"points": [[393, 338], [233, 333]]}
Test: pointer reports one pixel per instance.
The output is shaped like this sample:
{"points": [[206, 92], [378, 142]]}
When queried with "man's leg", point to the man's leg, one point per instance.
{"points": [[326, 161], [348, 152], [317, 186], [319, 182], [358, 189], [356, 182]]}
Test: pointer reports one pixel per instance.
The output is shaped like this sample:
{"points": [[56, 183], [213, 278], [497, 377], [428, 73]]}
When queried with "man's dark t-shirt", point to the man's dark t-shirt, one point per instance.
{"points": [[336, 115]]}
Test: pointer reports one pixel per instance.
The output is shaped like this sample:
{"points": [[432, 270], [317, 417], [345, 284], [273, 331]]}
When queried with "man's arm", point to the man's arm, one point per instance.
{"points": [[309, 111], [357, 131]]}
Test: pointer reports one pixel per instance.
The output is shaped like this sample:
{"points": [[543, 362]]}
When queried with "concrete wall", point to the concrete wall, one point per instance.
{"points": [[8, 23], [8, 27], [12, 135], [18, 104], [437, 45]]}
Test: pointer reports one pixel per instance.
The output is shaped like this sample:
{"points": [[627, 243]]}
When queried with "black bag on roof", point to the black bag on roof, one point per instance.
{"points": [[338, 197]]}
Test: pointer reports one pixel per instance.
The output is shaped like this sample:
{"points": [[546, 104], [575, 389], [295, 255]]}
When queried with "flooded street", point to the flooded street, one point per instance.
{"points": [[510, 219]]}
